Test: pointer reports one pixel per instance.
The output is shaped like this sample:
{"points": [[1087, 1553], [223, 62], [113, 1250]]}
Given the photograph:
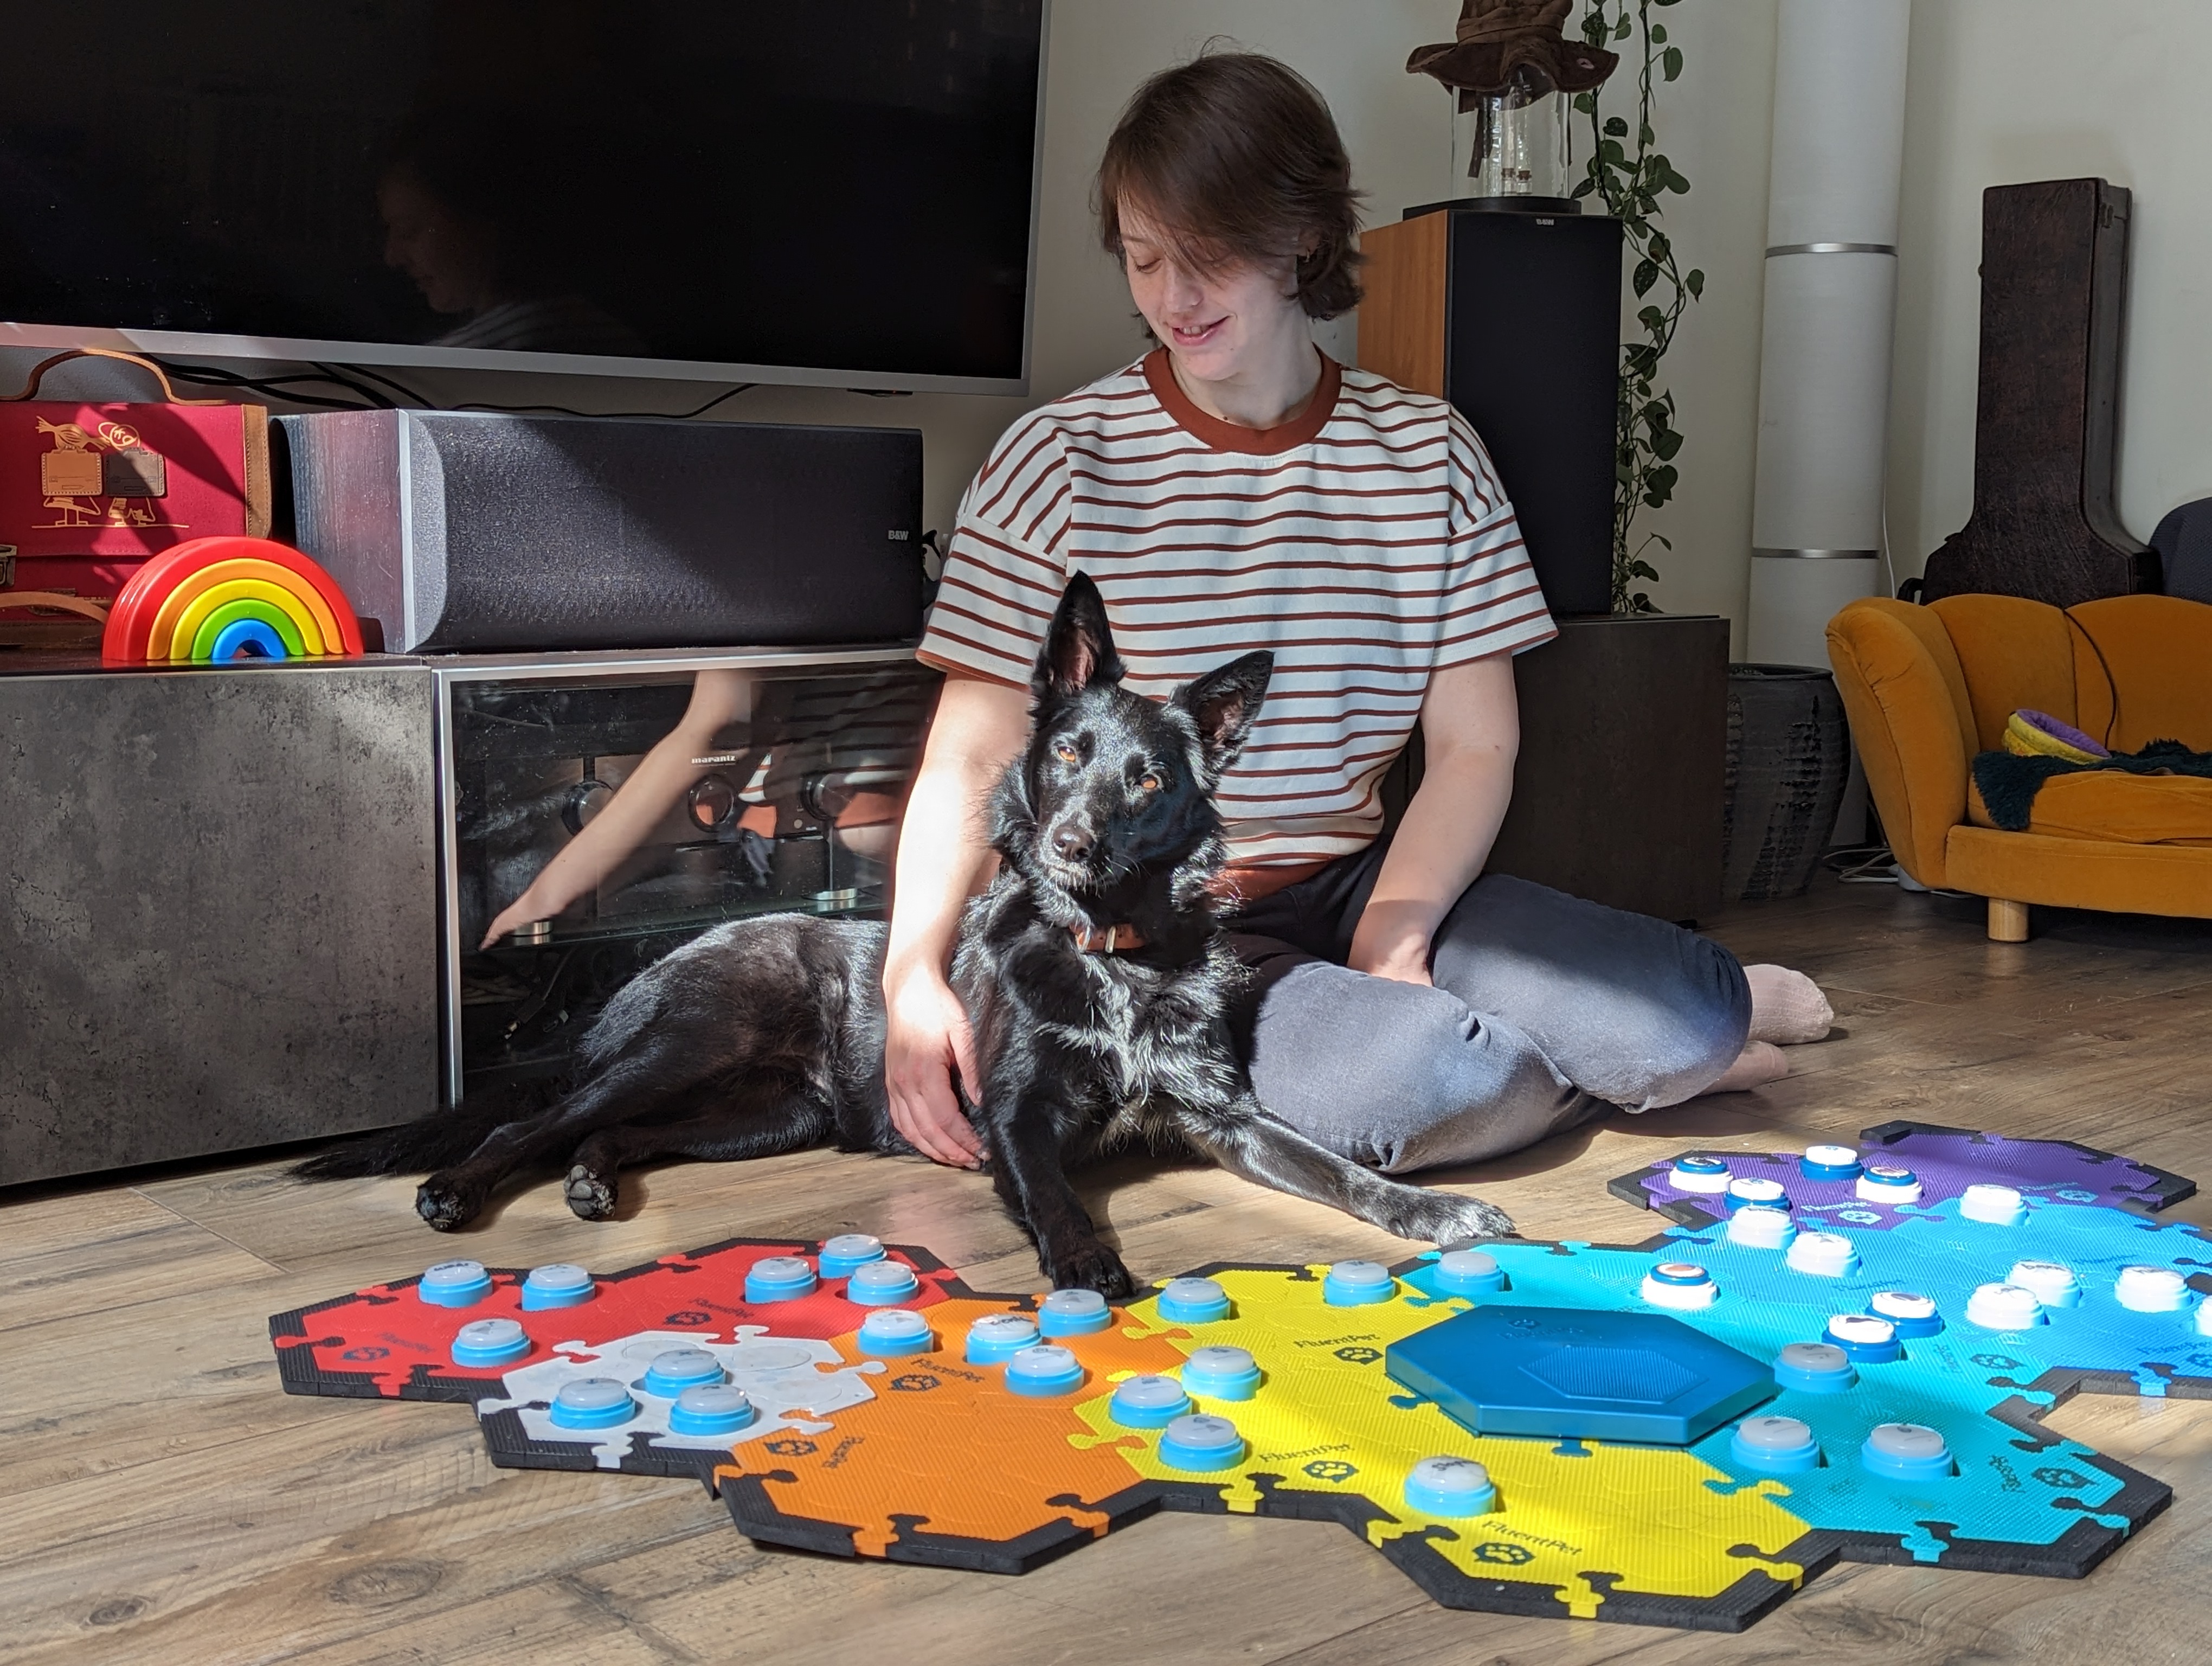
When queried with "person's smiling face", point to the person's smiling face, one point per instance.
{"points": [[1217, 322]]}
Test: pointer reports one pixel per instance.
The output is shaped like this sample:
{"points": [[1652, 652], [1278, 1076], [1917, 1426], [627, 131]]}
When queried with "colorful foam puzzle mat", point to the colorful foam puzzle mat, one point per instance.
{"points": [[1682, 1431], [212, 599]]}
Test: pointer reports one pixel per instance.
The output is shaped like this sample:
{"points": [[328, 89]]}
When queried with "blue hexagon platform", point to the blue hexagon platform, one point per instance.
{"points": [[1562, 1371]]}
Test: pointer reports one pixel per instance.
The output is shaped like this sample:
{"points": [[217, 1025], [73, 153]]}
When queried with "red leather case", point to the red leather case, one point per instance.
{"points": [[89, 491]]}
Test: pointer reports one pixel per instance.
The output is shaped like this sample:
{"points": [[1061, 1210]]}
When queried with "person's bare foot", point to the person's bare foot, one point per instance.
{"points": [[1759, 1063], [1787, 1007]]}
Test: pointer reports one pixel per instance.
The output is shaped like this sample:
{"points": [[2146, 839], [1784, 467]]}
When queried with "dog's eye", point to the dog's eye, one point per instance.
{"points": [[1149, 784], [1064, 753]]}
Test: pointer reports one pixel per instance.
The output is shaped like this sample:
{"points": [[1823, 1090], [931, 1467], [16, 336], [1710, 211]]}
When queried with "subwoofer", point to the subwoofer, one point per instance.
{"points": [[481, 531]]}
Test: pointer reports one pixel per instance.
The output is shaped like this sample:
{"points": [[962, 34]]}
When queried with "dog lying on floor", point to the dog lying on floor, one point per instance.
{"points": [[1092, 970]]}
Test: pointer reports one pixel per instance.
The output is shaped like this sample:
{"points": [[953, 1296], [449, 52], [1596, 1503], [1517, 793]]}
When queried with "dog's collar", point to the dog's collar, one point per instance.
{"points": [[1112, 940]]}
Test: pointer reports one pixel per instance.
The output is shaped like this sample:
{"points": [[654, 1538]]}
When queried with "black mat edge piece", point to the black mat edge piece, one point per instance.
{"points": [[757, 1517], [2170, 1189], [2118, 1384], [1629, 1188], [298, 1373], [1049, 1543]]}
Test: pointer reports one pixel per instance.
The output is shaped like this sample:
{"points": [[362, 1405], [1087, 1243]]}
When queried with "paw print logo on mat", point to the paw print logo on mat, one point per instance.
{"points": [[1996, 1362], [1858, 1217], [1332, 1469], [366, 1353], [914, 1382], [790, 1448], [2067, 1478], [690, 1316], [1497, 1550], [1359, 1356]]}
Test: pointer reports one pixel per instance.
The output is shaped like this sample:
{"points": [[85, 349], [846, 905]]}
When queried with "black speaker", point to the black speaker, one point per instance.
{"points": [[1514, 315], [475, 530]]}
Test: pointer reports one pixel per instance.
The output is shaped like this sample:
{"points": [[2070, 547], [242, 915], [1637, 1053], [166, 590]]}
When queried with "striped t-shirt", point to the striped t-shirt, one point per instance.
{"points": [[1366, 542]]}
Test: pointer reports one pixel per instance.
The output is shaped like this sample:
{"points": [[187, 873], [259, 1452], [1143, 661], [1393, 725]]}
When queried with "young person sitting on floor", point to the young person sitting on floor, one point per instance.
{"points": [[1236, 490]]}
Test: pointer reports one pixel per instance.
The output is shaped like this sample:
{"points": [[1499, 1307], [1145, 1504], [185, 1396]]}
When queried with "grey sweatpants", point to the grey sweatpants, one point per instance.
{"points": [[1546, 1010]]}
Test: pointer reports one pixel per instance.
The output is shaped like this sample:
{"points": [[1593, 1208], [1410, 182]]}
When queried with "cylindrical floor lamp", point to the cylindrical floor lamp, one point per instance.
{"points": [[1830, 298]]}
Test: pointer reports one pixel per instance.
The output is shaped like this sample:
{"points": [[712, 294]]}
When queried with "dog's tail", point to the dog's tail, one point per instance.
{"points": [[436, 1141]]}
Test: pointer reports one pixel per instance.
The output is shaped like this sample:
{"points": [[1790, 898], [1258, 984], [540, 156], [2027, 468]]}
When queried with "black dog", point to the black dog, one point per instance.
{"points": [[1093, 971]]}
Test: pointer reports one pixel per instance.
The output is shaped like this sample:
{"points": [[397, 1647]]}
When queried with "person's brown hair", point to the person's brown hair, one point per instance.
{"points": [[1235, 158]]}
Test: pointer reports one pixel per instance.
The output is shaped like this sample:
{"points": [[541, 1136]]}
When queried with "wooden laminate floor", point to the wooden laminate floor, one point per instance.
{"points": [[164, 1501]]}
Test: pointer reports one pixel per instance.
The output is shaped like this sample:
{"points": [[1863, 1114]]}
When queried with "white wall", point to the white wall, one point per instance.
{"points": [[2006, 91]]}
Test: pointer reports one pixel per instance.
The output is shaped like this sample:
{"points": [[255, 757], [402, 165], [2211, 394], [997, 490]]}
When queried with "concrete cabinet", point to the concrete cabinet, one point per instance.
{"points": [[220, 927]]}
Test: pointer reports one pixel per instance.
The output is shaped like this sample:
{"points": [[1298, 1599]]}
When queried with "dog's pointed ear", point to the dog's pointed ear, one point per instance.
{"points": [[1078, 647], [1224, 704]]}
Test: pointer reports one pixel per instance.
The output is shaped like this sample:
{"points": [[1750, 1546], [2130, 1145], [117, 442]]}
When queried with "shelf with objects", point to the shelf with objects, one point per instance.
{"points": [[599, 811]]}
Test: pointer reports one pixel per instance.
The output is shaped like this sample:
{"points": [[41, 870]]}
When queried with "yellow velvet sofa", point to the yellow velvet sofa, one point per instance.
{"points": [[1926, 687]]}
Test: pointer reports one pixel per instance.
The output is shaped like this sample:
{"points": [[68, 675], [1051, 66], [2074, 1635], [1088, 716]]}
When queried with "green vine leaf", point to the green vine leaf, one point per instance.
{"points": [[1630, 186]]}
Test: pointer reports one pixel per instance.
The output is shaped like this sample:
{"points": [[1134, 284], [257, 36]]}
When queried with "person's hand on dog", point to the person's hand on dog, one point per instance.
{"points": [[927, 1038]]}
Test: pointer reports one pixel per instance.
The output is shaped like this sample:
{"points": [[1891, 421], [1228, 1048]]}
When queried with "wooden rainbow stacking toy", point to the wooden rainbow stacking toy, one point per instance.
{"points": [[211, 599]]}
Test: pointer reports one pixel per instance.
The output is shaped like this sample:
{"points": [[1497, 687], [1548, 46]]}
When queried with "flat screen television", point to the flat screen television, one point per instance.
{"points": [[840, 192]]}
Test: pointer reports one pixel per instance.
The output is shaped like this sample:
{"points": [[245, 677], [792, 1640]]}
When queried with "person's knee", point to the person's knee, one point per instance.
{"points": [[1702, 1034], [1440, 1084], [1441, 1076]]}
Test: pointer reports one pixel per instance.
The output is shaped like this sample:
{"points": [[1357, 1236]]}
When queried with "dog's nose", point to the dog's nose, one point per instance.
{"points": [[1071, 842]]}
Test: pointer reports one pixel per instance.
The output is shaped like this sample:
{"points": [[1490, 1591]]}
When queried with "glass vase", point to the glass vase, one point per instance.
{"points": [[1512, 143]]}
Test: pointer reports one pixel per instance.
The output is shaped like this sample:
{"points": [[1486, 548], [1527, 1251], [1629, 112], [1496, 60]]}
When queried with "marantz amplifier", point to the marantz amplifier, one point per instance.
{"points": [[478, 530]]}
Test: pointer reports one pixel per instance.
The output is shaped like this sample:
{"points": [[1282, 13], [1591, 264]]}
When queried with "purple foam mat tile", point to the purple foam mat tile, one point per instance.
{"points": [[1947, 1161], [2118, 1181]]}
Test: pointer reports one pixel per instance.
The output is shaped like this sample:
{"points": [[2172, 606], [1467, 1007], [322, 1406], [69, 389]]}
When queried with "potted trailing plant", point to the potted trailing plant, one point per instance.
{"points": [[1629, 174]]}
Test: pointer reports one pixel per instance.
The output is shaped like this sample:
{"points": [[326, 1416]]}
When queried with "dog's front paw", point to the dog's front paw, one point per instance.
{"points": [[1443, 1218], [589, 1196], [1090, 1266], [446, 1204]]}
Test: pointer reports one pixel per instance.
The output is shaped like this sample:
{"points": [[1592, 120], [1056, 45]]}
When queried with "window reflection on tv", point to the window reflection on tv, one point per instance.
{"points": [[835, 185]]}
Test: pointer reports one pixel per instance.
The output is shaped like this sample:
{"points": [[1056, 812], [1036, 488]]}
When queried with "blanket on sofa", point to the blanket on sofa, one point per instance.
{"points": [[2009, 782]]}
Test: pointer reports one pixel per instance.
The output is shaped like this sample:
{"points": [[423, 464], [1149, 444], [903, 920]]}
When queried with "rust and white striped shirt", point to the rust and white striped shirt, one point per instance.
{"points": [[1367, 543]]}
